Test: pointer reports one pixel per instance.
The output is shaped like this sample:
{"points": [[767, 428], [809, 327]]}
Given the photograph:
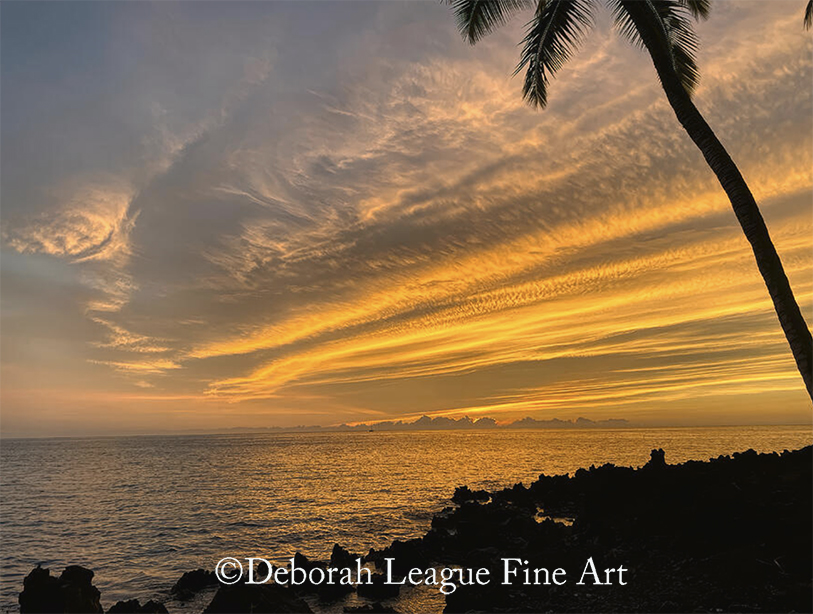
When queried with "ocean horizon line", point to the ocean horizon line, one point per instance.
{"points": [[568, 426]]}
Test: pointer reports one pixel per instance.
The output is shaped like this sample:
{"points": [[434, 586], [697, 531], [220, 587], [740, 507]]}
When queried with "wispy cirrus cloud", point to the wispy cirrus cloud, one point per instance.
{"points": [[384, 228], [91, 223]]}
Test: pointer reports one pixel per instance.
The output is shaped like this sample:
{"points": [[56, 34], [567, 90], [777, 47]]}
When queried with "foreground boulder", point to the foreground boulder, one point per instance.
{"points": [[192, 582], [256, 598], [72, 592]]}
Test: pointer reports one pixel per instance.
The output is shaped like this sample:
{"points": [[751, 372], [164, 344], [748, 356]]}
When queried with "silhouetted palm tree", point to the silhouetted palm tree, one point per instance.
{"points": [[665, 29], [809, 15]]}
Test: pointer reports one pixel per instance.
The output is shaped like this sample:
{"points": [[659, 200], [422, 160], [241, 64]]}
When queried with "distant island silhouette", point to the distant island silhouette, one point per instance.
{"points": [[441, 423], [425, 423]]}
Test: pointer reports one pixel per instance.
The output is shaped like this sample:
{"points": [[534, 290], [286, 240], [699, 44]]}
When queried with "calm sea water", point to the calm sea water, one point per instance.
{"points": [[142, 510]]}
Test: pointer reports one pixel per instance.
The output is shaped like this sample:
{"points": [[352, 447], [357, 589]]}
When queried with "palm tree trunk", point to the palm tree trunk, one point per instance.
{"points": [[743, 203]]}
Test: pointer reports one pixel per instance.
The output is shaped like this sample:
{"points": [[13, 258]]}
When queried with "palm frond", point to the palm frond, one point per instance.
{"points": [[477, 18], [809, 15], [555, 31], [699, 9], [669, 23]]}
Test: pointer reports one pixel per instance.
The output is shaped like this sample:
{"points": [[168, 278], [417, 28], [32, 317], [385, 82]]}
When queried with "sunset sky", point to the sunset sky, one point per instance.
{"points": [[229, 214]]}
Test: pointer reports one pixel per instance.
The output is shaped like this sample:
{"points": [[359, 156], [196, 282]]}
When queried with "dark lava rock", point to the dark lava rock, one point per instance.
{"points": [[327, 592], [133, 606], [260, 572], [341, 557], [321, 586], [195, 580], [405, 555], [464, 493], [378, 589], [657, 459], [334, 592], [331, 592], [192, 582], [730, 534], [257, 599], [517, 495], [73, 591], [303, 562]]}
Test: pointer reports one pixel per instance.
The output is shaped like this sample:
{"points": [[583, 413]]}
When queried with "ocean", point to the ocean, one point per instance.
{"points": [[140, 511]]}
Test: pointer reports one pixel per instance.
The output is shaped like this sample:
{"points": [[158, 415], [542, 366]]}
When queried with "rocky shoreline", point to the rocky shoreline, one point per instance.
{"points": [[731, 534]]}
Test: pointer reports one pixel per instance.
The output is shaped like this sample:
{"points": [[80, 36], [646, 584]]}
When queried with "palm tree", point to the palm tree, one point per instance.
{"points": [[809, 15], [665, 29]]}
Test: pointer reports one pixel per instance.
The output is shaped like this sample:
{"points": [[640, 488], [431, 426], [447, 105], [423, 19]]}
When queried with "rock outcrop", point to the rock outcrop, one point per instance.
{"points": [[73, 591], [192, 582], [257, 599]]}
